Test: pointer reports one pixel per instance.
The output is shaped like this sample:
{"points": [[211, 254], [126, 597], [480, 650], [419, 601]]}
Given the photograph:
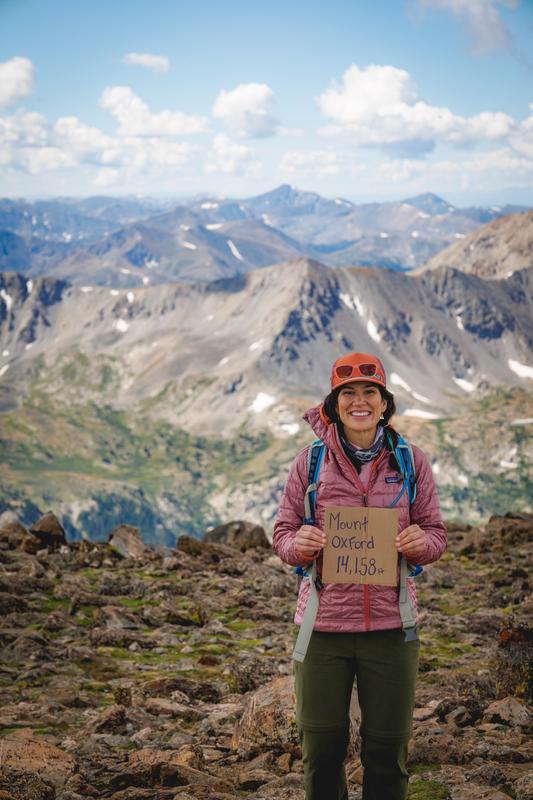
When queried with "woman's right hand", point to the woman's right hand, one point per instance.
{"points": [[309, 541]]}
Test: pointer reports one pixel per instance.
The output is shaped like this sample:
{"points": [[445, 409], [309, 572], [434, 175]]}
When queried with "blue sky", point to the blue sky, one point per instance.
{"points": [[364, 100]]}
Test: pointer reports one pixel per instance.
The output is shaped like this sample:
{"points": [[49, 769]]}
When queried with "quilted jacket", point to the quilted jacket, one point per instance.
{"points": [[351, 607]]}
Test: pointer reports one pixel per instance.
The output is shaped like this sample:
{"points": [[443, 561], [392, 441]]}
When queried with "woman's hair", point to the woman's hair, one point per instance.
{"points": [[330, 404]]}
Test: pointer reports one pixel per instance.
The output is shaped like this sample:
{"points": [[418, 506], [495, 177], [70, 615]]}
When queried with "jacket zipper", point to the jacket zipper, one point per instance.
{"points": [[364, 490]]}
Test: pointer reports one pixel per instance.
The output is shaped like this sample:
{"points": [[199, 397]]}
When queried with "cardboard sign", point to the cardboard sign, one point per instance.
{"points": [[360, 545]]}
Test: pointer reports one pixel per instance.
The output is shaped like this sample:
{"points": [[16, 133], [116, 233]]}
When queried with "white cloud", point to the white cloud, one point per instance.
{"points": [[106, 177], [157, 63], [75, 135], [231, 158], [135, 118], [481, 18], [246, 110], [24, 127], [312, 162], [522, 139], [16, 80], [487, 168], [379, 105], [44, 159]]}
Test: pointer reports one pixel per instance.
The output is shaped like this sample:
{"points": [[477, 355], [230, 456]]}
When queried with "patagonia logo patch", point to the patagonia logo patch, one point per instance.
{"points": [[393, 479]]}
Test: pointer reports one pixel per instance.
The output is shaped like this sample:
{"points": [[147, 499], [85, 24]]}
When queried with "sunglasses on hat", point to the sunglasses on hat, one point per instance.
{"points": [[344, 371]]}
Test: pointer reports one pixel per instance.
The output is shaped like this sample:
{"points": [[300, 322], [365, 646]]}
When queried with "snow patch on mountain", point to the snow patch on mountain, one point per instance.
{"points": [[418, 412], [262, 402], [234, 250], [352, 302], [291, 428], [522, 370], [373, 331], [466, 386], [8, 300], [396, 380]]}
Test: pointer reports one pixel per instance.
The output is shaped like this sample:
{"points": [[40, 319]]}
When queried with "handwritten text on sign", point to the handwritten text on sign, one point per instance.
{"points": [[360, 545]]}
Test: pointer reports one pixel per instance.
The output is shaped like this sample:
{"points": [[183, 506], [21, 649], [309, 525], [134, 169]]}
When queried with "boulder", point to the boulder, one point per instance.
{"points": [[22, 785], [289, 787], [49, 531], [523, 787], [511, 529], [26, 752], [268, 721], [514, 659], [240, 534], [150, 766], [126, 540], [508, 711]]}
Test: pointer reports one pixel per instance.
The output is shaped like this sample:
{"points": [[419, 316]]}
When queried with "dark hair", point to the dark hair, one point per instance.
{"points": [[330, 404]]}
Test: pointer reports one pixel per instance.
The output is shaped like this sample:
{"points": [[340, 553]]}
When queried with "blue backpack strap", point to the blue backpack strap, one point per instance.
{"points": [[403, 453], [315, 456]]}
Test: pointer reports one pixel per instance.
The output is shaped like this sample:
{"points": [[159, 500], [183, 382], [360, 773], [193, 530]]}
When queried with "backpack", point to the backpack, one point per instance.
{"points": [[403, 455]]}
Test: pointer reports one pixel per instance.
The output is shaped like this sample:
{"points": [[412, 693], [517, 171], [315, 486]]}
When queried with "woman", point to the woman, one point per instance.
{"points": [[358, 629]]}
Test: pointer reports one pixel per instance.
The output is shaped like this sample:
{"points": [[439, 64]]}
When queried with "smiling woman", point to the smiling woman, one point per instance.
{"points": [[360, 407], [365, 630]]}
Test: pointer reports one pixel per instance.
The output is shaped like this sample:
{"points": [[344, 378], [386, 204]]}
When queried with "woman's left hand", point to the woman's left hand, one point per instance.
{"points": [[411, 542]]}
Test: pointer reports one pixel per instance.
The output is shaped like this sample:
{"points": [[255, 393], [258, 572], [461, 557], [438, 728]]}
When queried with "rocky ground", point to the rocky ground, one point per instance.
{"points": [[145, 674]]}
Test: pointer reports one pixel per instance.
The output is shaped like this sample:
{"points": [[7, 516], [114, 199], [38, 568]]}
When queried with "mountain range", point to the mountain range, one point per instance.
{"points": [[179, 403], [136, 242]]}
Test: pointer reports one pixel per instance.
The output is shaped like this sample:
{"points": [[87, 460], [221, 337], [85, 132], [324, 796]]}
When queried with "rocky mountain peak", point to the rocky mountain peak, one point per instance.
{"points": [[496, 250], [430, 203]]}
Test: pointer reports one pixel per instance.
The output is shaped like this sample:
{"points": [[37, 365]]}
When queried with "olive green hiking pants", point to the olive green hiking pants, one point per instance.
{"points": [[384, 667]]}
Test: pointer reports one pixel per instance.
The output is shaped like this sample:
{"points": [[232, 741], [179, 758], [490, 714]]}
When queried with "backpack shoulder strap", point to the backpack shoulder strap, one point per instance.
{"points": [[315, 454], [403, 453]]}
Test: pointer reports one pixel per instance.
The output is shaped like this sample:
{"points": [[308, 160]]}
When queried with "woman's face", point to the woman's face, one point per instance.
{"points": [[360, 406]]}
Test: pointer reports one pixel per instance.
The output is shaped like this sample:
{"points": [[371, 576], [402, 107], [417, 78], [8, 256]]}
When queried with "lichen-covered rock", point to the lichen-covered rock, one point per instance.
{"points": [[514, 660], [26, 753], [523, 787], [23, 785], [268, 721]]}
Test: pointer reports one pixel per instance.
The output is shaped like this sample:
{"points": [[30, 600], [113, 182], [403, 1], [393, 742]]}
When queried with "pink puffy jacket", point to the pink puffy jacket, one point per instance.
{"points": [[351, 607]]}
